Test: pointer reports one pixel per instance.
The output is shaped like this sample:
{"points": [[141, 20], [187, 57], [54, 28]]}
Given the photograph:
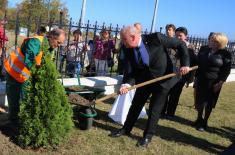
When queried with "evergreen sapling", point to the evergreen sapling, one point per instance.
{"points": [[45, 116]]}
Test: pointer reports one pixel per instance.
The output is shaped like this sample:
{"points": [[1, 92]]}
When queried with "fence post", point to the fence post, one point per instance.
{"points": [[79, 24], [205, 41], [61, 19], [146, 31], [95, 29], [116, 32], [16, 28], [62, 61], [84, 55], [59, 48], [29, 18], [112, 52], [29, 24], [118, 52], [70, 26], [103, 26], [87, 29], [50, 24], [190, 39]]}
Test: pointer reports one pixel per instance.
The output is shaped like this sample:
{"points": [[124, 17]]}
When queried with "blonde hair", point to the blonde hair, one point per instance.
{"points": [[221, 38]]}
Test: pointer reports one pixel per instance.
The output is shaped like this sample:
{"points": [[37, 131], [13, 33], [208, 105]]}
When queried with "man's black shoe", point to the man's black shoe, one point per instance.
{"points": [[118, 133], [197, 122], [143, 142], [169, 116], [202, 126], [200, 129]]}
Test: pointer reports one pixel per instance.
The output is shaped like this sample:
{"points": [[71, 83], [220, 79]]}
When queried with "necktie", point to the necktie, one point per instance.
{"points": [[138, 56]]}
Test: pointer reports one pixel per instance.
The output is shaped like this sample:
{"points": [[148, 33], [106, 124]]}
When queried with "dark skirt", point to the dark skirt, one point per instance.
{"points": [[205, 93], [195, 83]]}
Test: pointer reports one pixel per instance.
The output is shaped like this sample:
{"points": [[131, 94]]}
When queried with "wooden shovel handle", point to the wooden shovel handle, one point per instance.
{"points": [[143, 84]]}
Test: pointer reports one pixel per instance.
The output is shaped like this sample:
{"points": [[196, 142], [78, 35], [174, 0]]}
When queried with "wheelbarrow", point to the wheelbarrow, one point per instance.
{"points": [[89, 93], [85, 108]]}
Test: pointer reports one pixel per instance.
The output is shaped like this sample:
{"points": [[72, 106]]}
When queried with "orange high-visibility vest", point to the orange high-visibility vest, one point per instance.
{"points": [[15, 66]]}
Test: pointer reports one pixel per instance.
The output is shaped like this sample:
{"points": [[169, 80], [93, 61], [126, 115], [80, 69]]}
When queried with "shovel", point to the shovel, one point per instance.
{"points": [[143, 84]]}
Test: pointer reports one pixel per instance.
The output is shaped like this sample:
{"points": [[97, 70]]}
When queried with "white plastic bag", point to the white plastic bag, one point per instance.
{"points": [[121, 107]]}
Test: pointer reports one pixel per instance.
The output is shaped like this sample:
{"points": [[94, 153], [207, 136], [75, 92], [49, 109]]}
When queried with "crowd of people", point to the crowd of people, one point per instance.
{"points": [[96, 55], [153, 55], [141, 57]]}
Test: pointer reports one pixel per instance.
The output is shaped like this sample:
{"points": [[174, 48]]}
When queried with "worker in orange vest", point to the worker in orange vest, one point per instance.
{"points": [[19, 62]]}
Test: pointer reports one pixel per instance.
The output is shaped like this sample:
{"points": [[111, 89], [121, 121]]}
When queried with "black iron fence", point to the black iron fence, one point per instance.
{"points": [[16, 32]]}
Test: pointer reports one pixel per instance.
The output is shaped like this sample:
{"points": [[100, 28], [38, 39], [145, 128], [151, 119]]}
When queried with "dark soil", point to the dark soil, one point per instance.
{"points": [[76, 89], [78, 100], [6, 136]]}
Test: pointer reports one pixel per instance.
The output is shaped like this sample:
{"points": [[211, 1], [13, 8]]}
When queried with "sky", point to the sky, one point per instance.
{"points": [[200, 17]]}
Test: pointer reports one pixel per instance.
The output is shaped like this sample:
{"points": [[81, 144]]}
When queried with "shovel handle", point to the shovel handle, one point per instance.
{"points": [[143, 84]]}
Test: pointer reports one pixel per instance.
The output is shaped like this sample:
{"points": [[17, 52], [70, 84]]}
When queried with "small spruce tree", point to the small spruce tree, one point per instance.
{"points": [[45, 116]]}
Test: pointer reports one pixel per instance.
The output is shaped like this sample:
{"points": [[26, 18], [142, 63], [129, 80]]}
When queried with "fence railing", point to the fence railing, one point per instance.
{"points": [[89, 32]]}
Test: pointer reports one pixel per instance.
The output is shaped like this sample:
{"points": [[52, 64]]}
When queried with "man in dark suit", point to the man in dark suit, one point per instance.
{"points": [[145, 58], [174, 93]]}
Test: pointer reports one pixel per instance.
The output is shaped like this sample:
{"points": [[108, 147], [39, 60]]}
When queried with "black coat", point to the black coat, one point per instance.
{"points": [[212, 68], [159, 62]]}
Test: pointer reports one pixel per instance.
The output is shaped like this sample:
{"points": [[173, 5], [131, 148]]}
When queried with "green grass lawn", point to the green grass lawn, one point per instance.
{"points": [[175, 136]]}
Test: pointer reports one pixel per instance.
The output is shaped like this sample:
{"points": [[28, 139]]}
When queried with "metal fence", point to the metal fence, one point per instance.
{"points": [[89, 31]]}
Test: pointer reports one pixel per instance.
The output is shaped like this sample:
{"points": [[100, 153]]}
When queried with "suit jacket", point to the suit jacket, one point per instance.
{"points": [[189, 78], [159, 61]]}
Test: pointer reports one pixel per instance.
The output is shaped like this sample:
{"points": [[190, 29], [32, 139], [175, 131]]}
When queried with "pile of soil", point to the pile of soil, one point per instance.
{"points": [[78, 100], [76, 88]]}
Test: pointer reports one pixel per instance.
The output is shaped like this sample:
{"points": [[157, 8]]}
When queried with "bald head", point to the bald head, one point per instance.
{"points": [[138, 27], [130, 36], [56, 37]]}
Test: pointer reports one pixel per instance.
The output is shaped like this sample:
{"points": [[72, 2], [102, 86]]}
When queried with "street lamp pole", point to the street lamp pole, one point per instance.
{"points": [[83, 12], [154, 17]]}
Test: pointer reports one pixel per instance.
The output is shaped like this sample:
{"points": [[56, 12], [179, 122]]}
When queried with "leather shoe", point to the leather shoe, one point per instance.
{"points": [[200, 129], [143, 142], [169, 116], [202, 125], [118, 133]]}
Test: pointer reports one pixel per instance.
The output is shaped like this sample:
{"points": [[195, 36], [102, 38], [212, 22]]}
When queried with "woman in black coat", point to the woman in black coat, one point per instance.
{"points": [[214, 65]]}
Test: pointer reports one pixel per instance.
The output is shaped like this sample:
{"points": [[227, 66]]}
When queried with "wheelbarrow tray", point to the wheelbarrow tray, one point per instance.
{"points": [[78, 100]]}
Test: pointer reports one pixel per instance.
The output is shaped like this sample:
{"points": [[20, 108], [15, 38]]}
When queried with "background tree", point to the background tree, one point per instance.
{"points": [[3, 5], [33, 12]]}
